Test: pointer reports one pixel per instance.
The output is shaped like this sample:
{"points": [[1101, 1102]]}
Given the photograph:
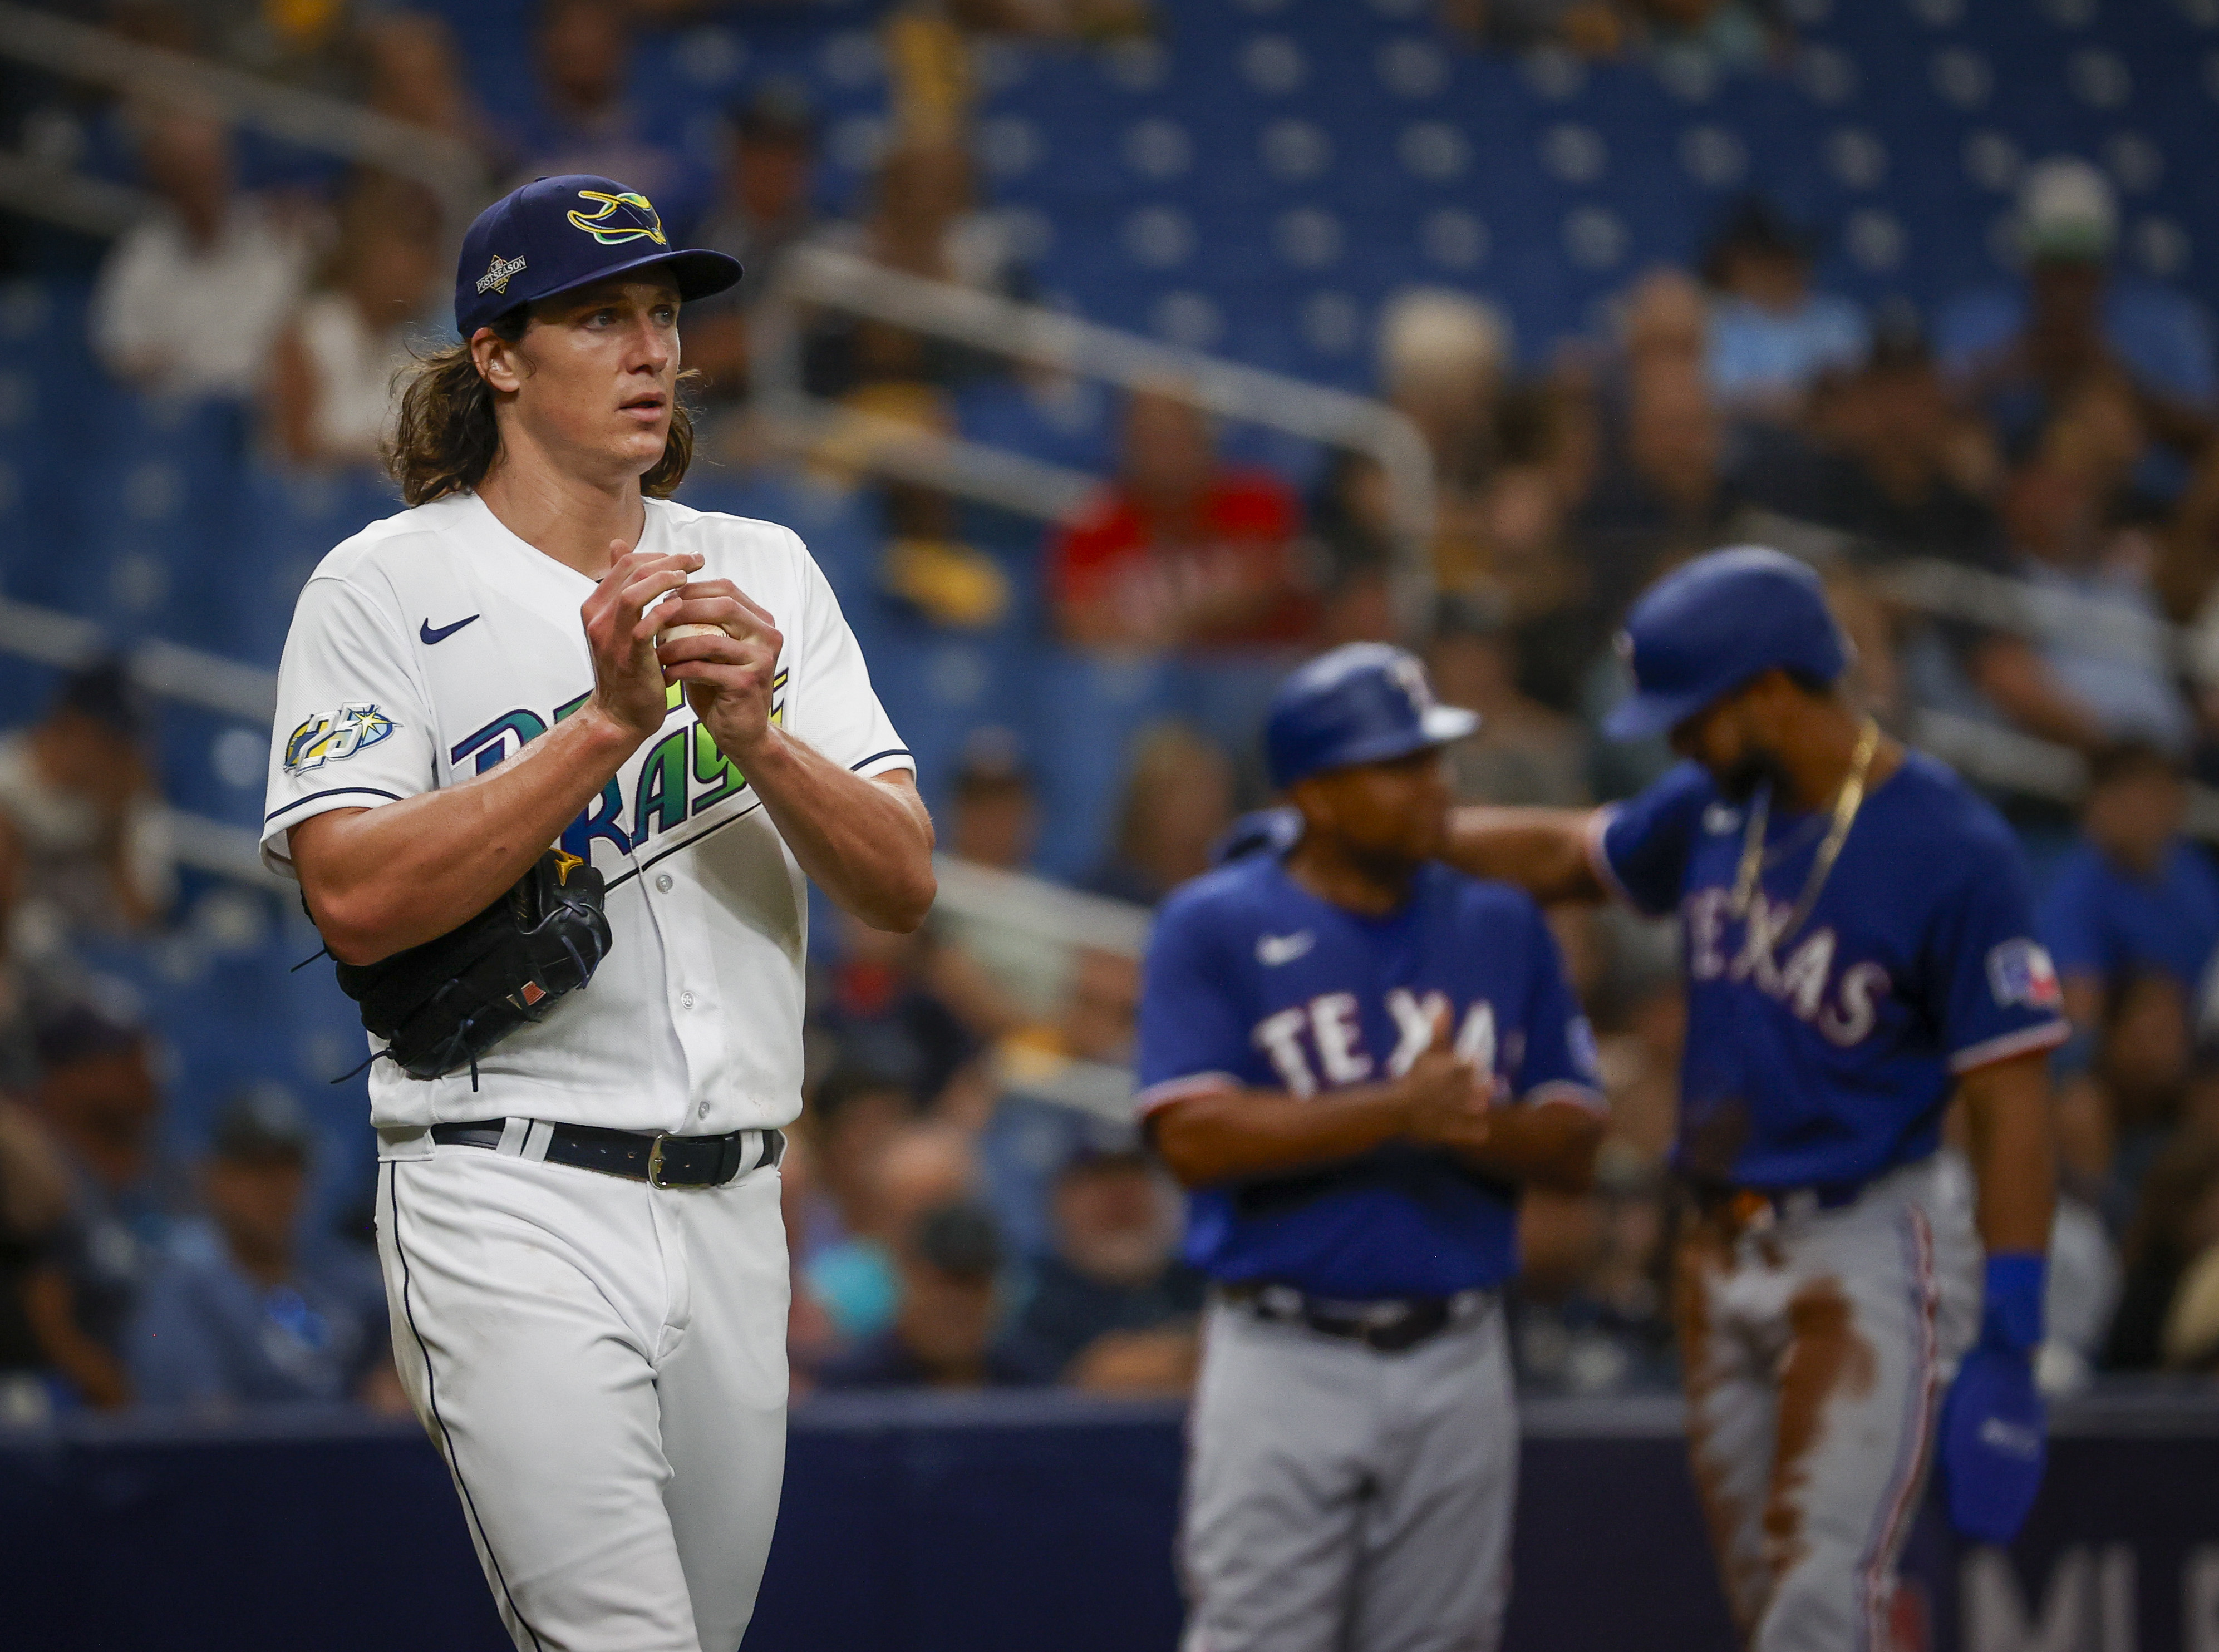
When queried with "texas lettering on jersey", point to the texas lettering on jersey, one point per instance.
{"points": [[682, 775], [1841, 1004], [1324, 1039]]}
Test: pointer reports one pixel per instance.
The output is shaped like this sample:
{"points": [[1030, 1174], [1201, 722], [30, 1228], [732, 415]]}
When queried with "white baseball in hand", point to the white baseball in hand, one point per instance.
{"points": [[673, 633]]}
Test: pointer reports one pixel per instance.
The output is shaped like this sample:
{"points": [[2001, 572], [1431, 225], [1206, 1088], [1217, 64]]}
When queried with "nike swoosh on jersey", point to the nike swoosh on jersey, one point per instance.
{"points": [[1271, 951], [430, 636]]}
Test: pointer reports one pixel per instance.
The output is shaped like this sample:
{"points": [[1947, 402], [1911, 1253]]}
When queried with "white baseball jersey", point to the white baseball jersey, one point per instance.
{"points": [[431, 646]]}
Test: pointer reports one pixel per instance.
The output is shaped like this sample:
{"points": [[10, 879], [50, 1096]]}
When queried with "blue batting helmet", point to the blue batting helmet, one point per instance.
{"points": [[1361, 703], [1706, 629]]}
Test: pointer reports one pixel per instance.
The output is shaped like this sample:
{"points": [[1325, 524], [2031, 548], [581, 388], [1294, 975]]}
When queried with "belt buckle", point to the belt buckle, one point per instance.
{"points": [[655, 1161]]}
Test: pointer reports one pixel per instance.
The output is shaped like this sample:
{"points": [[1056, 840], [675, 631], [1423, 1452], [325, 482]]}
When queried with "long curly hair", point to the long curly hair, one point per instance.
{"points": [[445, 438]]}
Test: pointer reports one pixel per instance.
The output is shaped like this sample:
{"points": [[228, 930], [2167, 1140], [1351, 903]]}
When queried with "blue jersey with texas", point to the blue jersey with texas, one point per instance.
{"points": [[1825, 1057], [1253, 982]]}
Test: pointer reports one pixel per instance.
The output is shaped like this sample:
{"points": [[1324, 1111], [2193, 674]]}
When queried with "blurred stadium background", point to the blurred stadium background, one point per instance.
{"points": [[1110, 355]]}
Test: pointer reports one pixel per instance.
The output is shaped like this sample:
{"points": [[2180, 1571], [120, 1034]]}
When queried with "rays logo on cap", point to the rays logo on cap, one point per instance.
{"points": [[610, 230], [496, 279]]}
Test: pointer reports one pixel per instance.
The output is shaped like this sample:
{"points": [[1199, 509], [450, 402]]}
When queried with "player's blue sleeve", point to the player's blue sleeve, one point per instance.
{"points": [[2070, 922], [1996, 992], [1559, 1061], [1192, 1038], [1639, 848]]}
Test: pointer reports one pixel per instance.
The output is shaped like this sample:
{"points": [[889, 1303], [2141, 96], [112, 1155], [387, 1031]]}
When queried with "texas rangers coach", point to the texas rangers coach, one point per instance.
{"points": [[1355, 1057], [579, 1220]]}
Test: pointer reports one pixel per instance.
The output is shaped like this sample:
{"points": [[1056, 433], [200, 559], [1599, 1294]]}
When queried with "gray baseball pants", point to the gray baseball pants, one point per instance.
{"points": [[1343, 1499]]}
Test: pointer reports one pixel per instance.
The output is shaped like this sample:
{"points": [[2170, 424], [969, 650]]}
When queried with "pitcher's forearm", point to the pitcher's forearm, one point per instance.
{"points": [[1550, 1145], [381, 880], [866, 843]]}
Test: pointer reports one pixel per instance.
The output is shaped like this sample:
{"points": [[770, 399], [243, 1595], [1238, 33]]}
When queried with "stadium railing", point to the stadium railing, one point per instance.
{"points": [[826, 278]]}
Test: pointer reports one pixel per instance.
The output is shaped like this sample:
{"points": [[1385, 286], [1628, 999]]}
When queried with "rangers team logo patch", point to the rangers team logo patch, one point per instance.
{"points": [[638, 220], [333, 736], [2019, 971], [496, 279]]}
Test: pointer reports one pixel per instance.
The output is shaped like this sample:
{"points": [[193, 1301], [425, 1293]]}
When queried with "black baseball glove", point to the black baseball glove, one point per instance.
{"points": [[442, 1005]]}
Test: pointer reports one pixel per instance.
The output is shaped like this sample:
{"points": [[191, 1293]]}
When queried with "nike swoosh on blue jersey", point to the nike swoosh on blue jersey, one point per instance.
{"points": [[430, 636]]}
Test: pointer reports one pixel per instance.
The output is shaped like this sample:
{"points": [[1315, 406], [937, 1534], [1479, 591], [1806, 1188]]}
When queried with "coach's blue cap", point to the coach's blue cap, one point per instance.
{"points": [[1706, 629], [559, 232], [1362, 703]]}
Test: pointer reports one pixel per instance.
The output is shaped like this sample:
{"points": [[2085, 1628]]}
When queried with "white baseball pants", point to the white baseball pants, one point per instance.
{"points": [[602, 1364], [1342, 1499], [1816, 1346]]}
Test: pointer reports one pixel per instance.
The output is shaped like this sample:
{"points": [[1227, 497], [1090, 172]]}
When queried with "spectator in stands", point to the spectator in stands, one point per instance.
{"points": [[1660, 493], [97, 1098], [1524, 753], [2175, 1228], [942, 1333], [1893, 462], [415, 74], [1771, 337], [2105, 674], [190, 299], [917, 1168], [586, 122], [894, 1005], [2133, 894], [88, 818], [766, 207], [995, 822], [239, 1313], [2024, 352], [1182, 552], [1442, 357], [331, 378], [34, 1202], [1177, 799], [1112, 1308]]}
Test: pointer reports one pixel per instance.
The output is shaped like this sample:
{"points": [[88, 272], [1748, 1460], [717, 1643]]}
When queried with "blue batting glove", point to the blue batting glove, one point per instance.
{"points": [[1994, 1435]]}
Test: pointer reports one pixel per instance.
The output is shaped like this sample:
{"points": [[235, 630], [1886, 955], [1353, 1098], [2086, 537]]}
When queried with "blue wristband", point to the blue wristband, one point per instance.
{"points": [[2011, 1312]]}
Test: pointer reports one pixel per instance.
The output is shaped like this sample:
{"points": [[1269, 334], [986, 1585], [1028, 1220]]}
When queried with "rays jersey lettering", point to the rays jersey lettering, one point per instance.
{"points": [[694, 1020], [1825, 1057], [1252, 983], [682, 775]]}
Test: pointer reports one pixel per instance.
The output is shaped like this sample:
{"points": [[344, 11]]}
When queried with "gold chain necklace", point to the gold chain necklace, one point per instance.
{"points": [[1847, 802]]}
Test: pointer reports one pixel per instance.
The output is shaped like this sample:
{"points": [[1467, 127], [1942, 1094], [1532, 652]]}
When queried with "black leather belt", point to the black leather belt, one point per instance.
{"points": [[1389, 1327], [664, 1160]]}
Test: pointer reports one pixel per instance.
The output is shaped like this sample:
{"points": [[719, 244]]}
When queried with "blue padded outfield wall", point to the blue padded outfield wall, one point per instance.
{"points": [[1002, 1523]]}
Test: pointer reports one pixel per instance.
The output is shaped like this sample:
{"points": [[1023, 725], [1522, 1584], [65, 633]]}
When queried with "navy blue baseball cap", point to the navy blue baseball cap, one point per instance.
{"points": [[1361, 703], [559, 232], [1707, 628]]}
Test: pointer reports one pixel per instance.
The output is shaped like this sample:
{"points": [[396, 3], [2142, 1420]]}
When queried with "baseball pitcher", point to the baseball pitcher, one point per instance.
{"points": [[542, 728]]}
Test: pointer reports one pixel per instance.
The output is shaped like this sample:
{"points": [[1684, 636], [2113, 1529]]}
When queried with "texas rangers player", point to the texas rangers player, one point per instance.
{"points": [[1353, 1055], [582, 1251], [1856, 943]]}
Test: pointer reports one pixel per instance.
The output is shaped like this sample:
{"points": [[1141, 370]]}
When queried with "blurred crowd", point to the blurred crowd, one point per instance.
{"points": [[2014, 498]]}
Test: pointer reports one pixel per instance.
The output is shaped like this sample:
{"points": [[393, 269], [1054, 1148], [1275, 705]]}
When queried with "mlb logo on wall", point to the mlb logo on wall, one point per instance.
{"points": [[330, 736], [2019, 971]]}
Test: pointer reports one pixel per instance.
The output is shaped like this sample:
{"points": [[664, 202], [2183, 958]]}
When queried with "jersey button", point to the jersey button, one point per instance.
{"points": [[664, 883], [701, 1111], [686, 999]]}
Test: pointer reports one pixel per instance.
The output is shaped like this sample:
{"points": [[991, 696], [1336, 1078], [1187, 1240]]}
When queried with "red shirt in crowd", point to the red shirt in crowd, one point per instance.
{"points": [[1226, 577]]}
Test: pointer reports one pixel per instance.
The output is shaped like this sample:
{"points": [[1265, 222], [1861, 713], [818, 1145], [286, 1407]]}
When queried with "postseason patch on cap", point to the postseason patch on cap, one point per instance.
{"points": [[2020, 972], [496, 277]]}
